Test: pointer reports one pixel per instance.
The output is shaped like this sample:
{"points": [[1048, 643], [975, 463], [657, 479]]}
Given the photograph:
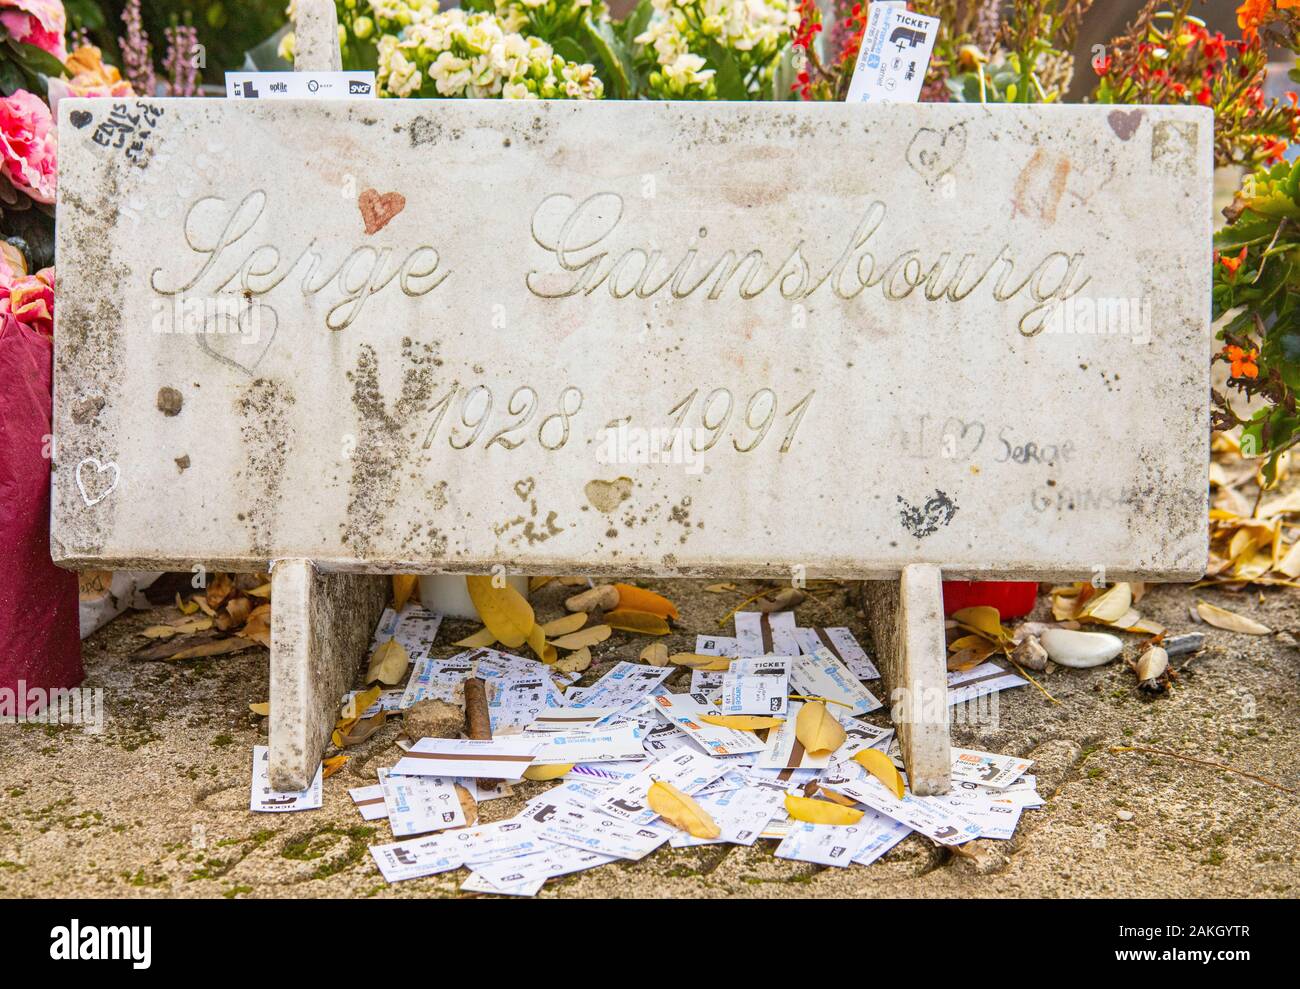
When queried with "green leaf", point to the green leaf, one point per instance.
{"points": [[570, 50], [619, 72], [730, 85], [34, 59], [637, 22]]}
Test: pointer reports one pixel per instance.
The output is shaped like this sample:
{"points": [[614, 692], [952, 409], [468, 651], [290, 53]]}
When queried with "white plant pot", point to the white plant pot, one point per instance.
{"points": [[446, 594]]}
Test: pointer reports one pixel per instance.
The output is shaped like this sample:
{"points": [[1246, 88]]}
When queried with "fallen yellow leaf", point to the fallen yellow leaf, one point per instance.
{"points": [[640, 622], [638, 599], [985, 621], [583, 637], [332, 765], [540, 647], [1110, 605], [262, 710], [1230, 622], [185, 607], [816, 728], [879, 765], [403, 586], [697, 661], [820, 811], [388, 663], [479, 640], [546, 772], [503, 610], [575, 662], [681, 811], [565, 625], [741, 722], [656, 654]]}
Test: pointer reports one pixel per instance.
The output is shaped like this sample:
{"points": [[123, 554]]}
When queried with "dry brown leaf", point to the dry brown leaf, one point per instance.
{"points": [[565, 625], [204, 607], [1229, 621], [258, 626], [537, 583], [468, 805], [639, 622], [388, 663], [603, 597], [583, 637], [816, 728], [262, 709], [656, 654], [820, 811], [503, 610], [214, 647], [575, 662], [260, 591], [719, 588], [879, 765], [681, 811], [219, 588], [783, 600], [357, 730], [238, 610]]}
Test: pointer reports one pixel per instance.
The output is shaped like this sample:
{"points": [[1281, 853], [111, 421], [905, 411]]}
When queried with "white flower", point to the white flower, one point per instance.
{"points": [[450, 74], [516, 91]]}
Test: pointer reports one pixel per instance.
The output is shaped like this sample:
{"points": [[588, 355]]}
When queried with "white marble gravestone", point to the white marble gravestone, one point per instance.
{"points": [[633, 338]]}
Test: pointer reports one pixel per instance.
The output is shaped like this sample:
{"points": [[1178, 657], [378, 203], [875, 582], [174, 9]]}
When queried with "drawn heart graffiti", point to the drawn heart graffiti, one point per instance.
{"points": [[100, 470], [225, 342], [933, 154], [377, 209], [925, 521], [80, 118]]}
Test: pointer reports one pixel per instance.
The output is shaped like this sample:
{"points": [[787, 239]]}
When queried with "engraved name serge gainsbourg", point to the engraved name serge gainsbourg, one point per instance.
{"points": [[585, 240]]}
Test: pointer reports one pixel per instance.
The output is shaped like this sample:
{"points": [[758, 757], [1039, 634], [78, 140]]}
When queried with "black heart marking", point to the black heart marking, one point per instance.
{"points": [[80, 118], [932, 154], [223, 345], [924, 521]]}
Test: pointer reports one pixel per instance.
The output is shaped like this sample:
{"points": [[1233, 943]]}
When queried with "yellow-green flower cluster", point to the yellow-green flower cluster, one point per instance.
{"points": [[682, 34], [454, 54]]}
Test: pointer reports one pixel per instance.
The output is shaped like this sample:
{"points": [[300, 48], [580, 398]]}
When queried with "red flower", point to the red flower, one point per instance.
{"points": [[1232, 264]]}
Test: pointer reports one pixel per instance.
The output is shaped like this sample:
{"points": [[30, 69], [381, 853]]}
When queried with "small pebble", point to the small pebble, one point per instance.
{"points": [[1080, 650], [1125, 815]]}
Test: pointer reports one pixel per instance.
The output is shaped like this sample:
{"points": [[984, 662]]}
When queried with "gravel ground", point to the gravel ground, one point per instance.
{"points": [[157, 804]]}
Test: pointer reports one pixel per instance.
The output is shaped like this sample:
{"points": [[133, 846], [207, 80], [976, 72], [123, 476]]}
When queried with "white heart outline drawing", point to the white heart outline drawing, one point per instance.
{"points": [[99, 469]]}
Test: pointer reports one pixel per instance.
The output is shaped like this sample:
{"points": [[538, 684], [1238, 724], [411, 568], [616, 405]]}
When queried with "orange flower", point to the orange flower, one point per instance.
{"points": [[89, 76], [1251, 14], [1231, 263], [1242, 361]]}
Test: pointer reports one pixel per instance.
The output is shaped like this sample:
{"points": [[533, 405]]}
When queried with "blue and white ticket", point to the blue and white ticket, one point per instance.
{"points": [[687, 771], [741, 815], [822, 675], [683, 710], [420, 804], [825, 844], [784, 751], [840, 641], [756, 686], [625, 686], [615, 745], [766, 633], [932, 818]]}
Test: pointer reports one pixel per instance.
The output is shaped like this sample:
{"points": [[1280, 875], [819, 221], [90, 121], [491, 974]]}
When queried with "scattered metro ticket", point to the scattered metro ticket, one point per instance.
{"points": [[587, 828], [514, 702], [369, 801], [825, 844], [439, 679], [687, 771], [570, 719], [843, 646], [766, 633], [996, 817], [707, 682], [420, 804], [883, 834], [861, 735], [894, 56], [741, 815], [615, 745], [933, 819], [986, 768], [683, 710], [987, 678], [626, 685], [822, 675], [785, 751], [496, 758], [756, 686], [417, 857], [716, 645], [265, 799]]}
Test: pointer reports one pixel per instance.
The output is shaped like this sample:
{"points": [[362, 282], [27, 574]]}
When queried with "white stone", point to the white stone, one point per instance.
{"points": [[1080, 650], [903, 430]]}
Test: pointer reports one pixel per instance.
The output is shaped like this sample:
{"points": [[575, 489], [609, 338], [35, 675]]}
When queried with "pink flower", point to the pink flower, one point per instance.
{"points": [[36, 22], [30, 300], [27, 145]]}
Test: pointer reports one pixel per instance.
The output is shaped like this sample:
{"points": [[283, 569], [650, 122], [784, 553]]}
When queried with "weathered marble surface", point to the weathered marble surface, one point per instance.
{"points": [[330, 436]]}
